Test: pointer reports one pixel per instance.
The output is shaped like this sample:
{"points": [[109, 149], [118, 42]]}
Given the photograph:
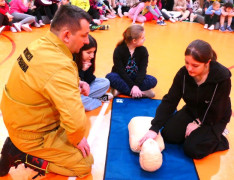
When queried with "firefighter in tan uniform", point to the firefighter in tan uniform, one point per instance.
{"points": [[41, 103]]}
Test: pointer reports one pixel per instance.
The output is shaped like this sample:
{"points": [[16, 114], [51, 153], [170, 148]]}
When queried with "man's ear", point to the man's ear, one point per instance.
{"points": [[65, 36]]}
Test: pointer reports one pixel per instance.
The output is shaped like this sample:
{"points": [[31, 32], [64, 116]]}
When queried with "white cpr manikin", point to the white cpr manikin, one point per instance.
{"points": [[150, 152]]}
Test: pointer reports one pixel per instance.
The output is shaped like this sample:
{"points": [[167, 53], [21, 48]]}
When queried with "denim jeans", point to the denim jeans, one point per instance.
{"points": [[97, 89]]}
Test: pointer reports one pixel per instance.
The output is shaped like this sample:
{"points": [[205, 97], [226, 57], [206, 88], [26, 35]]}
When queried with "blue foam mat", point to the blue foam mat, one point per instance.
{"points": [[123, 164]]}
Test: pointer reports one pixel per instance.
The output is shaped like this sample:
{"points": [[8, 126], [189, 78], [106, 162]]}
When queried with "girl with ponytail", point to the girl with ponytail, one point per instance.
{"points": [[128, 74]]}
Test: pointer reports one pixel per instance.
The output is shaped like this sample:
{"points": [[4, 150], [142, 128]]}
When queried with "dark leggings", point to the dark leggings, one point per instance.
{"points": [[50, 10], [123, 8], [94, 13], [35, 12], [200, 143], [211, 19], [118, 83]]}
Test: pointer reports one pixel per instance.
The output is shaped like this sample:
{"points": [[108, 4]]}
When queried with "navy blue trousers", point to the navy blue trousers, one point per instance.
{"points": [[118, 83]]}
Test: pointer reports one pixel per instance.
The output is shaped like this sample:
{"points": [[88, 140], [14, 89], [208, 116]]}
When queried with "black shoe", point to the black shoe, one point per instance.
{"points": [[106, 97], [10, 156]]}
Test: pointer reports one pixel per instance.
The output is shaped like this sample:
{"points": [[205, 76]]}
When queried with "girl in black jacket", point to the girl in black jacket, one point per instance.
{"points": [[204, 85], [128, 74]]}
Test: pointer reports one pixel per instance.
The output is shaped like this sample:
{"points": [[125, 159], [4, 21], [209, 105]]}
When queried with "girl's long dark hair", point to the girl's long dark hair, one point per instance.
{"points": [[78, 56], [201, 51]]}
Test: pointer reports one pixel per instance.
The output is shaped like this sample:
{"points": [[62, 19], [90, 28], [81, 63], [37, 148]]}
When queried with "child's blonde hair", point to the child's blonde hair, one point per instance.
{"points": [[216, 3]]}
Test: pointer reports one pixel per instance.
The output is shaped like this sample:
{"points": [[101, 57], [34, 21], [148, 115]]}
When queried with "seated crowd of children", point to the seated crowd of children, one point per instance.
{"points": [[128, 75], [22, 14]]}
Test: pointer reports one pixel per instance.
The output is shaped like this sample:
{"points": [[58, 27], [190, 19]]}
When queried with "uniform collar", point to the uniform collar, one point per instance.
{"points": [[58, 43]]}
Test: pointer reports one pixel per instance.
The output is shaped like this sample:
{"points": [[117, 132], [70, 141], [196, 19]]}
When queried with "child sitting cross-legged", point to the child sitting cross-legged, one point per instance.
{"points": [[152, 12], [128, 74], [85, 61]]}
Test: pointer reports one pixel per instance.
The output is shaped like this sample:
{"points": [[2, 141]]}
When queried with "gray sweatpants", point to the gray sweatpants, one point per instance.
{"points": [[23, 18]]}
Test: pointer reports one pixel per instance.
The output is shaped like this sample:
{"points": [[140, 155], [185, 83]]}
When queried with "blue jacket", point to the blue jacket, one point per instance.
{"points": [[209, 12]]}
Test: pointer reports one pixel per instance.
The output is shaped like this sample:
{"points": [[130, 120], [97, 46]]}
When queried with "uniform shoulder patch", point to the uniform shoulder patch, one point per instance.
{"points": [[28, 54], [22, 64]]}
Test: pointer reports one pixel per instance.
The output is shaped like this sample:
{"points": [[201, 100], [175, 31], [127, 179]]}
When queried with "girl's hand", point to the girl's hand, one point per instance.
{"points": [[84, 88], [10, 17], [150, 134], [136, 92], [190, 128], [86, 65]]}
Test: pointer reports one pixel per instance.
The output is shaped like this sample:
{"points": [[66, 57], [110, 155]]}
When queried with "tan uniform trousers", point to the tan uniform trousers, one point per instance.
{"points": [[63, 157]]}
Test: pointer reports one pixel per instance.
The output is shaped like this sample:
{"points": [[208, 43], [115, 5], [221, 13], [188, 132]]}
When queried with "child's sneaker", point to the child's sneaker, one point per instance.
{"points": [[109, 16], [172, 20], [41, 23], [205, 26], [13, 29], [17, 26], [2, 28], [99, 27], [211, 27], [26, 27], [163, 23], [106, 97], [222, 29], [37, 25], [229, 29], [102, 17], [125, 14], [120, 12], [97, 21]]}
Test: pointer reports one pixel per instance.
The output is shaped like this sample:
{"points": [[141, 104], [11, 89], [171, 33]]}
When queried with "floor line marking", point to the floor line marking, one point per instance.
{"points": [[71, 178], [97, 123], [12, 49]]}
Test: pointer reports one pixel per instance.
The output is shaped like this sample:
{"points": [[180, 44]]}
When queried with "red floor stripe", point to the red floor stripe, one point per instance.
{"points": [[12, 49], [231, 67]]}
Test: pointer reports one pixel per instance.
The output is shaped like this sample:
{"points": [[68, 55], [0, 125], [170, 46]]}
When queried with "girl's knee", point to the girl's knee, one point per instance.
{"points": [[106, 83], [191, 151]]}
